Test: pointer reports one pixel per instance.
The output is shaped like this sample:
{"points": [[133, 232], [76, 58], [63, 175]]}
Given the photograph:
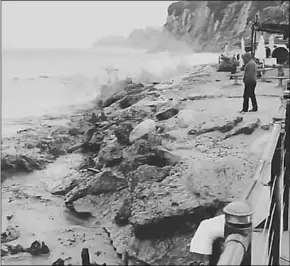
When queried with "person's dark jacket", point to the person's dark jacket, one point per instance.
{"points": [[250, 72]]}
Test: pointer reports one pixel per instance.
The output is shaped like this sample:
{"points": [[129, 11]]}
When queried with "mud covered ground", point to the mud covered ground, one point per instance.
{"points": [[137, 171]]}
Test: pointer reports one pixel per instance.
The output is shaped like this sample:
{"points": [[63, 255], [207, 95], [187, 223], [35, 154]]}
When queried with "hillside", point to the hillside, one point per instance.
{"points": [[208, 25]]}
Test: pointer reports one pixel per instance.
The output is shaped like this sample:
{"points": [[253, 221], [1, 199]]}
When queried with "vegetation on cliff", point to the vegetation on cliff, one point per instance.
{"points": [[208, 25]]}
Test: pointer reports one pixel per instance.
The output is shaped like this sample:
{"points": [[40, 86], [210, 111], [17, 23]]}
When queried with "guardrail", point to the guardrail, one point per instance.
{"points": [[273, 171]]}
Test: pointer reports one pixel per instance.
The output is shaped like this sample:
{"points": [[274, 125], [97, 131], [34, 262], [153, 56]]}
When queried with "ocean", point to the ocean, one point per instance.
{"points": [[54, 82]]}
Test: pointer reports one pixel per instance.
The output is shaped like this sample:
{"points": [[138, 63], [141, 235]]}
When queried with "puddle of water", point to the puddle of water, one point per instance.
{"points": [[41, 216]]}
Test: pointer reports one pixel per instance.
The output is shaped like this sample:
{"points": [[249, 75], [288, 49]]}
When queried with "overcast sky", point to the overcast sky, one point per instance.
{"points": [[74, 24]]}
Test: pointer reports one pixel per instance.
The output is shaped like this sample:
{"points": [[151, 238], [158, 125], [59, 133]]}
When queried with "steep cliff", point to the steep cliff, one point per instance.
{"points": [[209, 25]]}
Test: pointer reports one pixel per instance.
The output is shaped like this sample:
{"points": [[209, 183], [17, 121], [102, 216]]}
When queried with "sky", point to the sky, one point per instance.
{"points": [[75, 24]]}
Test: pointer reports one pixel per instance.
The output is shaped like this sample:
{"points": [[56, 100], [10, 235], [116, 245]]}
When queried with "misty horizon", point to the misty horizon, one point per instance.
{"points": [[53, 25]]}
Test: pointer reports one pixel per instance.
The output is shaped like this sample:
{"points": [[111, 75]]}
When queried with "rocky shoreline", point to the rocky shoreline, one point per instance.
{"points": [[158, 159]]}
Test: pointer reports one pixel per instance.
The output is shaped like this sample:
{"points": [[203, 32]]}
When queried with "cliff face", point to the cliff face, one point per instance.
{"points": [[208, 25]]}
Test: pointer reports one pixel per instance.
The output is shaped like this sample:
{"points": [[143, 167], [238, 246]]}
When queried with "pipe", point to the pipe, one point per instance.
{"points": [[235, 250]]}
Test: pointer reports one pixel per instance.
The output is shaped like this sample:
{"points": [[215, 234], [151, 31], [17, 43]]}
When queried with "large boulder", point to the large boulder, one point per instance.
{"points": [[139, 153], [111, 154], [112, 99], [216, 123], [129, 100], [134, 88], [165, 208], [10, 234], [93, 142], [142, 129], [70, 181], [149, 173], [166, 114], [124, 213], [104, 182], [122, 133], [247, 128], [166, 157], [21, 163], [100, 117], [185, 118]]}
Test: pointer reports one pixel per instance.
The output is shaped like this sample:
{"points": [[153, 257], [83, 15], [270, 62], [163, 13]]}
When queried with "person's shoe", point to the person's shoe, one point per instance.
{"points": [[242, 111], [253, 110]]}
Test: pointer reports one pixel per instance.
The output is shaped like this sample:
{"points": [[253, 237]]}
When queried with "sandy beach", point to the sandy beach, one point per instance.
{"points": [[150, 162]]}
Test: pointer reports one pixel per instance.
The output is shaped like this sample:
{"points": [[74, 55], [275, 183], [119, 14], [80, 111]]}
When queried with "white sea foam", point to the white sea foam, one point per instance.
{"points": [[47, 82]]}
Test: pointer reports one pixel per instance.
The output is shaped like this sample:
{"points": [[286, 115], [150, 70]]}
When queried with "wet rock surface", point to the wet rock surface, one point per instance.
{"points": [[142, 129], [10, 234], [149, 175], [216, 123], [122, 133], [104, 182], [166, 114], [111, 154]]}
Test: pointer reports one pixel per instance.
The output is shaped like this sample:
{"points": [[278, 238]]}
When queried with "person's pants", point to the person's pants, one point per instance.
{"points": [[249, 92]]}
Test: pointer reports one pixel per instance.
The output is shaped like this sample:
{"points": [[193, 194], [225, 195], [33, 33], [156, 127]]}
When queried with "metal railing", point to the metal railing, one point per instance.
{"points": [[273, 171]]}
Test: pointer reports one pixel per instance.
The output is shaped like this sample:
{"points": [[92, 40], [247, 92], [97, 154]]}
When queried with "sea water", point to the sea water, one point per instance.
{"points": [[56, 81]]}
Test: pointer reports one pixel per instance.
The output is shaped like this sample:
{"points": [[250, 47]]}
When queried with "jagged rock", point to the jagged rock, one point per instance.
{"points": [[38, 249], [149, 173], [57, 151], [122, 133], [146, 152], [100, 117], [124, 213], [112, 99], [58, 262], [21, 163], [134, 88], [166, 208], [104, 182], [142, 129], [163, 115], [4, 252], [93, 143], [193, 97], [135, 114], [89, 133], [140, 152], [222, 124], [131, 164], [13, 250], [68, 183], [129, 100], [111, 154], [10, 234], [246, 128], [139, 147], [185, 118], [166, 157]]}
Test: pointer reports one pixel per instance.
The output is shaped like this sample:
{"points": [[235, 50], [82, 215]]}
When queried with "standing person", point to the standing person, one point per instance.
{"points": [[250, 80]]}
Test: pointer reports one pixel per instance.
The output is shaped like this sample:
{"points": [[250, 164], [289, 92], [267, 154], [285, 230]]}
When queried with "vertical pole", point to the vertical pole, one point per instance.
{"points": [[125, 258], [255, 40], [252, 39], [274, 228], [286, 220]]}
